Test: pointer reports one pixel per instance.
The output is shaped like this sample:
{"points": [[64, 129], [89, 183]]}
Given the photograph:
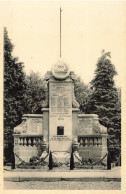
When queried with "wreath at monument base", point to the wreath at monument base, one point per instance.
{"points": [[34, 163]]}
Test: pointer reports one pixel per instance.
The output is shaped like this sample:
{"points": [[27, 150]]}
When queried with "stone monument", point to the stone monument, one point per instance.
{"points": [[61, 125]]}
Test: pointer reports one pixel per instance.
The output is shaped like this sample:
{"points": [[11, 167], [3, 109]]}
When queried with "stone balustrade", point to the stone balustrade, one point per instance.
{"points": [[27, 146], [29, 141], [90, 141]]}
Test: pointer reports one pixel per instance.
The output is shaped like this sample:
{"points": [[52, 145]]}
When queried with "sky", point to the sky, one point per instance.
{"points": [[87, 28]]}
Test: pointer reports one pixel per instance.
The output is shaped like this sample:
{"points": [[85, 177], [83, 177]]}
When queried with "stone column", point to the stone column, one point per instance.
{"points": [[46, 124], [75, 123], [104, 147], [44, 146], [16, 147], [75, 146]]}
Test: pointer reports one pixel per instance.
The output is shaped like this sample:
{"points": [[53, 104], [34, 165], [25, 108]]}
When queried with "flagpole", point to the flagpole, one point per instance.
{"points": [[60, 31]]}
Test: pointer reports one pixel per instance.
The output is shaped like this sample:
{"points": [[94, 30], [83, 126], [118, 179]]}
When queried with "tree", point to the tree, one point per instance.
{"points": [[82, 93], [105, 102], [14, 87], [12, 161], [35, 94]]}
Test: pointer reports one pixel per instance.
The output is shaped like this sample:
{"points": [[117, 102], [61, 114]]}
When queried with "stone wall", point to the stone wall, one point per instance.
{"points": [[92, 137], [75, 123], [46, 123], [27, 137]]}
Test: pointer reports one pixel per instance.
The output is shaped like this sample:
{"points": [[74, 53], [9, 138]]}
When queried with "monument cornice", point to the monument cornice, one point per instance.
{"points": [[45, 109], [67, 80], [32, 115], [87, 115], [28, 135], [75, 109]]}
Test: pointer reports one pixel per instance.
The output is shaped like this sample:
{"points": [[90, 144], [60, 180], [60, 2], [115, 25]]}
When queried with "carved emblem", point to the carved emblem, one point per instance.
{"points": [[60, 70]]}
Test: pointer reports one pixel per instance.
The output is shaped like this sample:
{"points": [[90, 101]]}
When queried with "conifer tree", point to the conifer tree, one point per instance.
{"points": [[14, 86], [105, 102]]}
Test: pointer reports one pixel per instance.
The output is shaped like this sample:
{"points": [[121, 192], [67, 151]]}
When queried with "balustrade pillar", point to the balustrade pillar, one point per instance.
{"points": [[81, 142], [29, 141], [21, 141], [34, 142], [99, 141], [18, 141], [39, 140], [25, 142], [95, 141], [91, 141], [86, 141]]}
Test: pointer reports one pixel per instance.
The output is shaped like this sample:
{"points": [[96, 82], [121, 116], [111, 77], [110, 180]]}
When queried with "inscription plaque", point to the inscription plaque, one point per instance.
{"points": [[60, 112], [60, 100], [85, 126], [35, 126]]}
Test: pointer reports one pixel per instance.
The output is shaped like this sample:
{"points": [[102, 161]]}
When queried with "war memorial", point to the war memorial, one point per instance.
{"points": [[61, 148], [61, 129]]}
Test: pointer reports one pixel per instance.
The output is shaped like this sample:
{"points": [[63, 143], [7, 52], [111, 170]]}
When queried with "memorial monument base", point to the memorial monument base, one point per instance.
{"points": [[60, 124]]}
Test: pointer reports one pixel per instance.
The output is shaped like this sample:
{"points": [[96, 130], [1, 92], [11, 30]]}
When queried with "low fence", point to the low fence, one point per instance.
{"points": [[90, 164], [36, 162]]}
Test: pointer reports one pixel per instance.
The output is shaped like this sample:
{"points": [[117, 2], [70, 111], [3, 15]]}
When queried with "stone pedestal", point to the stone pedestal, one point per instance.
{"points": [[104, 148], [46, 123], [44, 146], [16, 146], [75, 146], [75, 123], [60, 115]]}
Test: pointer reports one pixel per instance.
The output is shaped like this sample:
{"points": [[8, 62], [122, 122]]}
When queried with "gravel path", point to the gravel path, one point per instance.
{"points": [[62, 185]]}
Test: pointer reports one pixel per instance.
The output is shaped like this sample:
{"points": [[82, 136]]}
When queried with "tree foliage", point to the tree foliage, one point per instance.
{"points": [[14, 86], [82, 93], [35, 94], [28, 93], [105, 102]]}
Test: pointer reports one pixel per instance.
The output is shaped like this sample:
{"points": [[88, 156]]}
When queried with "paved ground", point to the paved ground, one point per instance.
{"points": [[74, 175], [70, 180], [62, 185]]}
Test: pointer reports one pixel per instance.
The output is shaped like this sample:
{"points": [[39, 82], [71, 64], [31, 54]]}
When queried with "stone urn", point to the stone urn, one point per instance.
{"points": [[75, 145]]}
